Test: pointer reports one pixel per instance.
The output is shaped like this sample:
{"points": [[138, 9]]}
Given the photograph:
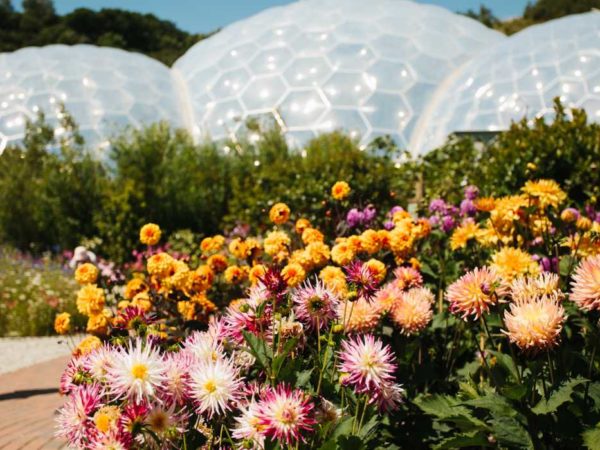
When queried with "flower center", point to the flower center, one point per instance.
{"points": [[210, 386], [139, 371]]}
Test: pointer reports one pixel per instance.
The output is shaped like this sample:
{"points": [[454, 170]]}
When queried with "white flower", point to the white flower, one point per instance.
{"points": [[214, 385]]}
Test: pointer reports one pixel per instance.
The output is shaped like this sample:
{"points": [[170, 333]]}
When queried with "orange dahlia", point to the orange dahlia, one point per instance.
{"points": [[474, 293], [585, 287], [412, 312]]}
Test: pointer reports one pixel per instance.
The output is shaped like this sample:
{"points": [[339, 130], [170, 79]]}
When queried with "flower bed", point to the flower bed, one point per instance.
{"points": [[473, 327]]}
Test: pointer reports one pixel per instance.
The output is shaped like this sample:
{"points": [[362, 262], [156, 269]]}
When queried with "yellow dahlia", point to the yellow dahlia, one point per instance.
{"points": [[279, 213], [276, 242], [293, 274], [256, 273], [310, 235], [235, 274], [301, 225], [467, 231], [485, 204], [62, 323], [134, 287], [511, 262], [217, 263], [212, 244], [86, 274], [545, 193], [87, 345], [98, 323], [318, 253], [334, 279], [534, 326], [370, 241], [150, 234], [342, 253], [238, 248], [377, 269], [340, 190], [160, 265], [412, 311], [142, 301], [90, 300], [585, 287]]}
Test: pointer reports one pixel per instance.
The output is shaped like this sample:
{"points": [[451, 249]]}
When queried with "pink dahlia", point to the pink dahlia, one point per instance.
{"points": [[474, 293], [412, 312], [177, 377], [388, 396], [407, 278], [366, 363], [284, 414], [75, 374], [75, 422], [315, 305], [585, 287]]}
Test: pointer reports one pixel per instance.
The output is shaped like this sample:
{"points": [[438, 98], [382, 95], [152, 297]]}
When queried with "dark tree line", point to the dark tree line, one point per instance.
{"points": [[38, 24]]}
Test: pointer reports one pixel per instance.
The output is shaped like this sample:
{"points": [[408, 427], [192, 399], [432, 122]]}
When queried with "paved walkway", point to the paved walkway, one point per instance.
{"points": [[28, 401]]}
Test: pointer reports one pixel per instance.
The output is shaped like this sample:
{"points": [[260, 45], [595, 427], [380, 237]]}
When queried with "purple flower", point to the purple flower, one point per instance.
{"points": [[354, 217], [394, 210], [434, 221], [471, 192], [448, 223], [369, 213], [437, 205], [388, 225], [467, 208]]}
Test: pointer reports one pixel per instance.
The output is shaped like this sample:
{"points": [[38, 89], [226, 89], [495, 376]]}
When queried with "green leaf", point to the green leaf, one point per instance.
{"points": [[506, 362], [257, 348], [303, 378], [509, 431], [495, 403], [350, 443], [345, 427], [591, 438], [449, 409], [471, 439], [515, 391], [558, 397], [369, 426], [279, 359], [594, 394]]}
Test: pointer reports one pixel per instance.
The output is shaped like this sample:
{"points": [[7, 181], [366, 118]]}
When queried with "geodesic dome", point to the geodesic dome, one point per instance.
{"points": [[103, 88], [369, 68], [519, 77]]}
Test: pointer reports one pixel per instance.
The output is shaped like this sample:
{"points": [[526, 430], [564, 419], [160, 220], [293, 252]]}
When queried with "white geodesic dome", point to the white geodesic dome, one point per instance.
{"points": [[368, 67], [103, 88]]}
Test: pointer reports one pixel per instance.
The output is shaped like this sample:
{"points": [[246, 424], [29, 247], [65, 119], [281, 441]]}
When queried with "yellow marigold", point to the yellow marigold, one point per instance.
{"points": [[421, 228], [142, 301], [212, 244], [279, 213], [401, 242], [199, 308], [276, 242], [359, 316], [62, 323], [254, 248], [201, 279], [150, 234], [180, 276], [218, 263], [239, 249], [235, 274], [340, 190], [511, 262], [90, 300], [107, 418], [370, 241], [160, 265], [545, 193], [293, 274], [98, 323], [256, 273], [485, 204], [87, 345], [301, 225], [86, 274], [506, 212], [413, 311], [310, 235], [384, 238], [342, 253], [355, 243], [467, 231], [401, 216], [301, 257], [318, 253], [334, 279], [534, 326], [377, 269], [583, 223], [134, 287]]}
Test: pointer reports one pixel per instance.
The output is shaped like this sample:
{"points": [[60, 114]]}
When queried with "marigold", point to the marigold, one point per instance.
{"points": [[512, 262], [545, 193], [342, 253], [235, 274], [293, 274], [86, 273], [239, 248], [318, 253], [583, 223], [301, 225], [143, 301], [334, 279], [62, 323], [340, 190], [370, 241], [150, 234], [467, 231], [401, 241], [310, 235], [87, 345], [256, 273], [377, 269], [212, 244], [90, 300], [585, 287], [201, 279], [534, 326], [98, 323], [279, 213], [412, 311], [218, 263], [134, 287], [276, 242], [160, 265]]}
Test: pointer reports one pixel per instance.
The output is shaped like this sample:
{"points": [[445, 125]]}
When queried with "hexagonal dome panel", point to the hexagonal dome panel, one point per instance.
{"points": [[101, 87], [519, 77], [341, 64]]}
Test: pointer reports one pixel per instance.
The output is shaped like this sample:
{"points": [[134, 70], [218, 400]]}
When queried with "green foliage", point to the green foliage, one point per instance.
{"points": [[38, 24]]}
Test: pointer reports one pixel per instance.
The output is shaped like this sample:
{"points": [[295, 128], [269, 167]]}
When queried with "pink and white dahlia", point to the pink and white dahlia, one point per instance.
{"points": [[407, 278], [248, 428], [315, 305], [366, 363], [585, 287], [214, 385], [284, 414], [136, 372], [474, 293], [75, 418], [99, 360], [110, 441], [245, 318], [202, 346], [177, 377], [388, 396], [75, 374]]}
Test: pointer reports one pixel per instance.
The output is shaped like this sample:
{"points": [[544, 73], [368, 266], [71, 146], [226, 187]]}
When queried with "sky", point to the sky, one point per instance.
{"points": [[199, 16]]}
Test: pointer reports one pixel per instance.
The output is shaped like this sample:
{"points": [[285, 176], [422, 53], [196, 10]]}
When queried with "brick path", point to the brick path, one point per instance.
{"points": [[28, 401]]}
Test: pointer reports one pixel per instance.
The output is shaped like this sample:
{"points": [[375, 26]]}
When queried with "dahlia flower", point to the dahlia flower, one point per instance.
{"points": [[150, 234], [75, 374], [360, 316], [524, 289], [585, 287], [535, 325], [315, 305], [407, 277], [284, 414], [86, 273], [545, 192], [510, 263], [136, 372], [202, 346], [412, 311], [279, 213], [74, 420], [98, 361], [388, 396], [177, 368], [366, 363], [340, 190], [248, 428], [474, 293], [214, 385]]}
